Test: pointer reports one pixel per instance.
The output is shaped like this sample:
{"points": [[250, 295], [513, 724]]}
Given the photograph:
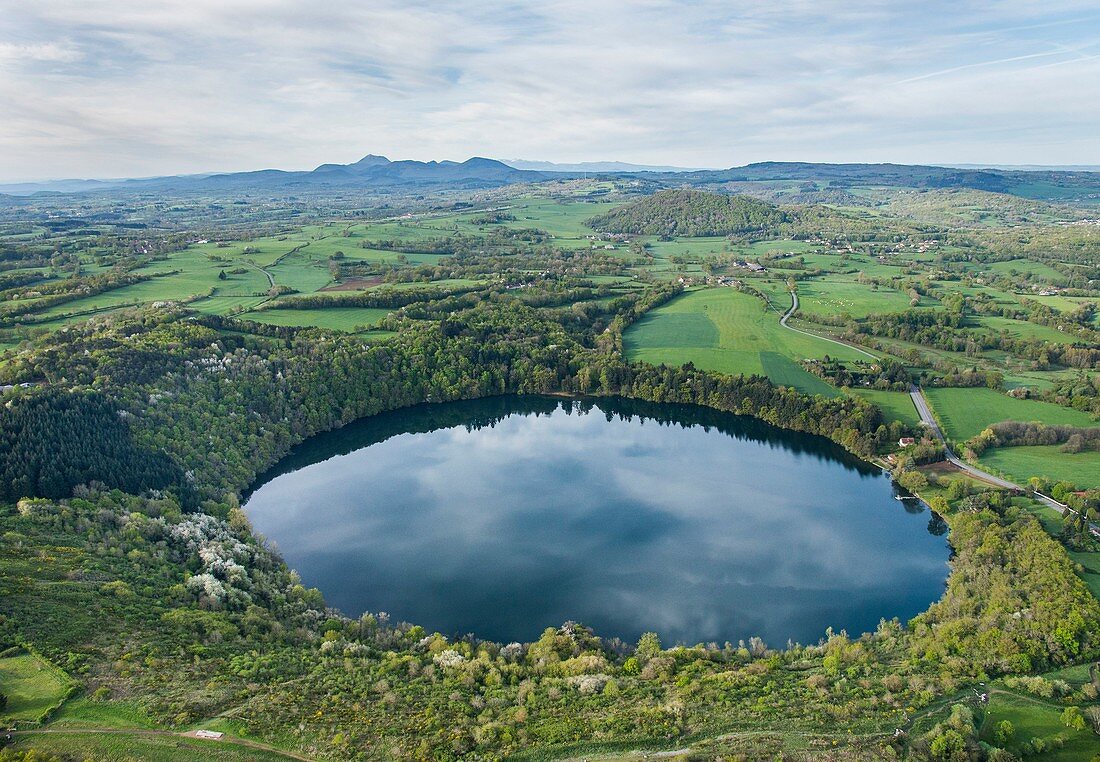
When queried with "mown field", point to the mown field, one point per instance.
{"points": [[896, 406], [32, 686], [966, 412], [347, 319], [1082, 468], [834, 296], [730, 332]]}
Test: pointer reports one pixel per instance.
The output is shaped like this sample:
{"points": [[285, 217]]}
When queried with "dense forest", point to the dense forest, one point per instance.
{"points": [[691, 213], [51, 441], [230, 405]]}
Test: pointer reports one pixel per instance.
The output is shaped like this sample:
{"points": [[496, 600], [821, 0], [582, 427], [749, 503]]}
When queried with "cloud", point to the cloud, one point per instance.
{"points": [[44, 52], [133, 88], [624, 525]]}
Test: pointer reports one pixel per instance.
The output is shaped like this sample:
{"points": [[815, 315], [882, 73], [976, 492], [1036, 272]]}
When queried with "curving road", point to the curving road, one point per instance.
{"points": [[794, 307], [930, 421]]}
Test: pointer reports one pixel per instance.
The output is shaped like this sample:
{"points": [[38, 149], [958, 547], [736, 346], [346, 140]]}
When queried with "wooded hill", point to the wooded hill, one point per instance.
{"points": [[690, 213]]}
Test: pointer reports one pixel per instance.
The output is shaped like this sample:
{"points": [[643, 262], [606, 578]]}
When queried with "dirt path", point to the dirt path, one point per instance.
{"points": [[225, 740]]}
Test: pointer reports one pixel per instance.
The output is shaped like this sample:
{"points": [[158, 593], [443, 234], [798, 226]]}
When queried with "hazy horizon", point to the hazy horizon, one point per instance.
{"points": [[520, 164], [125, 89]]}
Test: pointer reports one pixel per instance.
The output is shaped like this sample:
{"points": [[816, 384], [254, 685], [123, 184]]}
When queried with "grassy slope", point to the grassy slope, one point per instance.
{"points": [[1023, 329], [731, 332], [1027, 266], [82, 712], [1032, 717], [126, 746], [834, 296], [1065, 303]]}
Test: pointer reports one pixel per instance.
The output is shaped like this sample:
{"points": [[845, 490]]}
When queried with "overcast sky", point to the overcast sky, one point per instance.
{"points": [[130, 88]]}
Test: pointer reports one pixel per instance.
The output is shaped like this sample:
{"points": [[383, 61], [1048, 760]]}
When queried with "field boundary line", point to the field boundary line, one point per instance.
{"points": [[794, 307]]}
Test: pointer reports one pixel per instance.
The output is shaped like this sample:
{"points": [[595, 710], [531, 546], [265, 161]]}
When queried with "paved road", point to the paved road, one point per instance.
{"points": [[930, 421], [794, 306]]}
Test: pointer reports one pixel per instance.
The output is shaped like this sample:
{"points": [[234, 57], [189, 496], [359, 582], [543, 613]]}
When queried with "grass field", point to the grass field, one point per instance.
{"points": [[1027, 266], [1024, 329], [1034, 718], [833, 296], [347, 319], [222, 305], [731, 332], [32, 686], [994, 294], [1090, 568], [1067, 304], [82, 712], [688, 247], [564, 220], [1021, 463], [708, 245], [135, 745], [897, 406], [966, 412]]}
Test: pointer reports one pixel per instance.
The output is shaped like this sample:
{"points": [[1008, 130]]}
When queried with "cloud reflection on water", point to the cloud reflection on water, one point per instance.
{"points": [[625, 525]]}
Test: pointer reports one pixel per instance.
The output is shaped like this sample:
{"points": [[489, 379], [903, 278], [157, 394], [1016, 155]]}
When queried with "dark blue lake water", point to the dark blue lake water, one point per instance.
{"points": [[505, 516]]}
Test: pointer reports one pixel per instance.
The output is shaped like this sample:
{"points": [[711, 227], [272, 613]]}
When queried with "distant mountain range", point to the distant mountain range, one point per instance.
{"points": [[380, 174], [594, 166], [370, 171]]}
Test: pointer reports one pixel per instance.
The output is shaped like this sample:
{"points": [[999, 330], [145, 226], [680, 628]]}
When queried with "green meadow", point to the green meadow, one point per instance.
{"points": [[1032, 717], [833, 296], [731, 332], [896, 406], [966, 412], [346, 319], [83, 712], [32, 685], [1021, 463], [1067, 303], [1025, 330], [1027, 266]]}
